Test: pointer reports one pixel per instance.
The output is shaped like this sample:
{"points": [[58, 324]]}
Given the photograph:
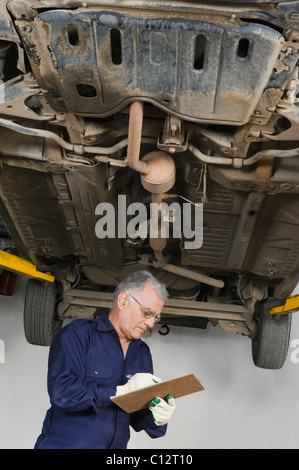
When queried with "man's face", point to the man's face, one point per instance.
{"points": [[132, 321]]}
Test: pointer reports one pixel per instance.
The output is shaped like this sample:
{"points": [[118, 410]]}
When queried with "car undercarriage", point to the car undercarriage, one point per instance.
{"points": [[109, 104]]}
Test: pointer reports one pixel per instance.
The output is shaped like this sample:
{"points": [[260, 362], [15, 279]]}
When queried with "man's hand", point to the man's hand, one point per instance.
{"points": [[162, 411], [139, 380]]}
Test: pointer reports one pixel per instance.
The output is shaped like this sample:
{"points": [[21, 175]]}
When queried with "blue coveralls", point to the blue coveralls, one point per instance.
{"points": [[86, 363]]}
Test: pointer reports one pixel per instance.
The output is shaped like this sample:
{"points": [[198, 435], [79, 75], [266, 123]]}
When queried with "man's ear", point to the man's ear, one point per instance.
{"points": [[122, 300]]}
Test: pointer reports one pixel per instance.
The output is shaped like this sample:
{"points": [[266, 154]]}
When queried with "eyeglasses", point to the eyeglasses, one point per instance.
{"points": [[147, 312]]}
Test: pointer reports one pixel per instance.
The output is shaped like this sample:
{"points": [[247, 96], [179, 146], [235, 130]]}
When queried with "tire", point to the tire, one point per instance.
{"points": [[40, 321], [271, 344]]}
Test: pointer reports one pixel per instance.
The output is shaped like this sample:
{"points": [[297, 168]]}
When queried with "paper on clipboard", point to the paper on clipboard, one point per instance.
{"points": [[139, 399]]}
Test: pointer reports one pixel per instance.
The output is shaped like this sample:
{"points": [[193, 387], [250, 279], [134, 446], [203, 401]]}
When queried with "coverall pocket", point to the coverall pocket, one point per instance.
{"points": [[99, 369]]}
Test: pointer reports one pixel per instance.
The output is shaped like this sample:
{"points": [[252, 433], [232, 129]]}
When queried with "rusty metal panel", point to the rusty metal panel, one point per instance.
{"points": [[79, 191], [96, 62], [31, 201]]}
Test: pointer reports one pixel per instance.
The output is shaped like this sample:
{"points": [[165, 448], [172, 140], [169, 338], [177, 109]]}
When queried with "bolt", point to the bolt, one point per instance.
{"points": [[60, 117]]}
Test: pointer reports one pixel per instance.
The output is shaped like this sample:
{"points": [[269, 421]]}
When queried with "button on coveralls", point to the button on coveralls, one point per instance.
{"points": [[86, 363]]}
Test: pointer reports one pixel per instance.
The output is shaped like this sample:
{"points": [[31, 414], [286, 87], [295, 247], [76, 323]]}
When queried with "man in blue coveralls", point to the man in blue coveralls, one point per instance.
{"points": [[93, 360]]}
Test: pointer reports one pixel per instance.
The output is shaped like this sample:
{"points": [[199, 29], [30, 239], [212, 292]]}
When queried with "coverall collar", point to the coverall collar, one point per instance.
{"points": [[104, 324]]}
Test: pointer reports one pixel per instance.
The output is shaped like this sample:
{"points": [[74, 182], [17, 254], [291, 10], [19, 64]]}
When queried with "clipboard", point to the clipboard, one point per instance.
{"points": [[139, 399]]}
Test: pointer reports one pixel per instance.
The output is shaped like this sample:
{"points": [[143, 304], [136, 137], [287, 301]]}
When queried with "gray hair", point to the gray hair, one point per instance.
{"points": [[137, 281]]}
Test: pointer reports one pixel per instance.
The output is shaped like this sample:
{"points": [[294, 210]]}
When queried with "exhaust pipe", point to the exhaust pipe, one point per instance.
{"points": [[157, 173]]}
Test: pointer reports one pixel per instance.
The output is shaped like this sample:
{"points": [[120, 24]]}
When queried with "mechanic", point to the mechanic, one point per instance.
{"points": [[91, 361]]}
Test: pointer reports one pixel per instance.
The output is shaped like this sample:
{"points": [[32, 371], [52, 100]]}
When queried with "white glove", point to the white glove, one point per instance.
{"points": [[162, 411], [139, 380]]}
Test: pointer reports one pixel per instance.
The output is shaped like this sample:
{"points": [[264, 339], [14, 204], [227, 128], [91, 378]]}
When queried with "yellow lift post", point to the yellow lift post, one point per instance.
{"points": [[291, 305], [21, 266]]}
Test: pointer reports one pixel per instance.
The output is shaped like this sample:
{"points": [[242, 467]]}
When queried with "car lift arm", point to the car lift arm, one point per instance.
{"points": [[21, 266], [291, 305]]}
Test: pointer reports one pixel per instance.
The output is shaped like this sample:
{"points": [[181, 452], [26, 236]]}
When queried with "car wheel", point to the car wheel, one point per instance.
{"points": [[40, 320], [270, 345]]}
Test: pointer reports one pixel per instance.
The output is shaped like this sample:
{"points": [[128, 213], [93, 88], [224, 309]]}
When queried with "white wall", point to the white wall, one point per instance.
{"points": [[242, 406]]}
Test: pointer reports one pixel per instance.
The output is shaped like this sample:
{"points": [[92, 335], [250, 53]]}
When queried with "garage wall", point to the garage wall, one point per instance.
{"points": [[242, 406]]}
